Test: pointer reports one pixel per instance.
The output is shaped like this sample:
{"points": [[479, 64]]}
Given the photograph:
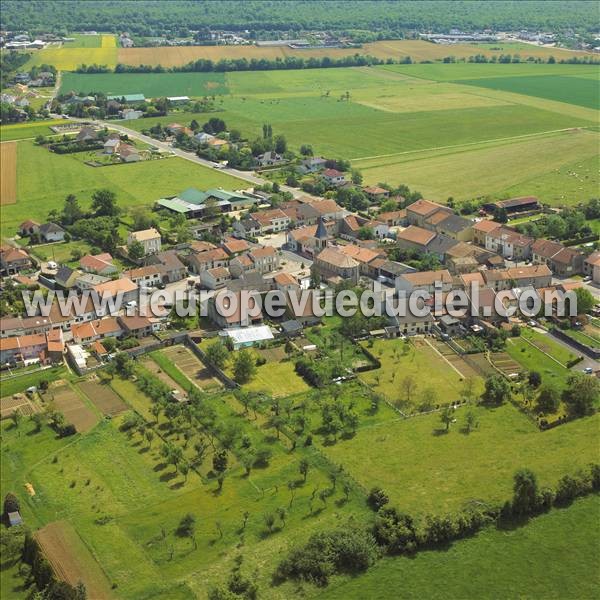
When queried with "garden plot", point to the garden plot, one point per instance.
{"points": [[103, 396], [70, 404], [187, 362]]}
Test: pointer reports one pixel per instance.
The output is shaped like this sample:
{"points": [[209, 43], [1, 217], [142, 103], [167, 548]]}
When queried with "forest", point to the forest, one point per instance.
{"points": [[387, 18]]}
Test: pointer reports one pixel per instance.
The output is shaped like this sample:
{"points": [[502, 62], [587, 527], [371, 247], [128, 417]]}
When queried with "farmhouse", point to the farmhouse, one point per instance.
{"points": [[333, 177], [375, 193], [421, 210], [481, 229], [98, 263], [562, 261], [28, 228], [149, 238], [51, 232]]}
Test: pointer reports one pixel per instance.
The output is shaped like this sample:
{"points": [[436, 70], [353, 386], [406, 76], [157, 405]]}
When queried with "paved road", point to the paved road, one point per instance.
{"points": [[586, 362], [248, 176]]}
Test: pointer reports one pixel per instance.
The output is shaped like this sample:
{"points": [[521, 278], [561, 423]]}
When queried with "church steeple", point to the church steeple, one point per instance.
{"points": [[321, 234]]}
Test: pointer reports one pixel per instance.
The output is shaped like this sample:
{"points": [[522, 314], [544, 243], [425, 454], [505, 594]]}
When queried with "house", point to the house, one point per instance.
{"points": [[411, 324], [265, 259], [51, 232], [171, 267], [328, 209], [239, 314], [112, 145], [13, 260], [136, 326], [148, 276], [421, 210], [100, 264], [271, 221], [214, 279], [514, 205], [217, 143], [87, 134], [90, 331], [332, 263], [333, 177], [481, 229], [28, 228], [394, 218], [203, 137], [209, 259], [312, 239], [301, 306], [375, 193], [129, 154], [284, 282], [429, 281], [241, 264], [314, 164], [451, 225], [562, 261], [414, 238], [86, 281], [537, 276], [174, 128], [509, 243], [269, 159], [149, 238], [591, 266], [130, 114], [234, 246], [123, 288], [363, 256], [66, 277]]}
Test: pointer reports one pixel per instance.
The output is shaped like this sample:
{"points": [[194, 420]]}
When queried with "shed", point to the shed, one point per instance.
{"points": [[14, 518], [248, 336]]}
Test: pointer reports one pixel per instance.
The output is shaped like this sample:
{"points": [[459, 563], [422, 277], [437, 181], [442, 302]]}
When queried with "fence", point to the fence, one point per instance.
{"points": [[587, 350]]}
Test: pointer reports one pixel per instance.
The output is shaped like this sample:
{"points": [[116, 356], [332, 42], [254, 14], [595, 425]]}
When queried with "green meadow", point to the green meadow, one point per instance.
{"points": [[150, 84], [44, 179], [538, 560]]}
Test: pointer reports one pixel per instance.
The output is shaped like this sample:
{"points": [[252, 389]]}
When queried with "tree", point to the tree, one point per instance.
{"points": [[187, 528], [303, 467], [149, 437], [447, 417], [470, 421], [534, 378], [549, 398], [38, 419], [468, 390], [135, 250], [306, 150], [16, 417], [104, 203], [409, 386], [582, 394], [497, 390], [585, 300], [525, 492], [269, 521], [280, 145], [123, 365], [217, 354], [71, 211], [220, 461], [244, 367], [556, 227]]}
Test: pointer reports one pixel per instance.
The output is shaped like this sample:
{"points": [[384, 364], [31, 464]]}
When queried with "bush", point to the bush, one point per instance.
{"points": [[347, 550], [395, 531], [11, 503], [377, 498]]}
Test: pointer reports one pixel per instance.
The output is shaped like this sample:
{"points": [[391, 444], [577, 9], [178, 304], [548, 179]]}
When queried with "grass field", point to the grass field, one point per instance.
{"points": [[84, 41], [8, 166], [45, 178], [529, 562], [22, 131], [166, 84], [574, 90], [425, 470]]}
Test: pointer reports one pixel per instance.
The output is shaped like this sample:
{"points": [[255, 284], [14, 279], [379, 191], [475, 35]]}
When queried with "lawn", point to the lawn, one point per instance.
{"points": [[425, 470], [589, 336], [44, 179], [29, 377], [277, 379], [533, 561], [151, 85]]}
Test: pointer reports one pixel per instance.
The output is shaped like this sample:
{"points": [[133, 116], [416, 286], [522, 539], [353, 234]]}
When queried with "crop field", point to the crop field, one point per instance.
{"points": [[416, 49], [136, 184], [70, 58], [71, 559], [426, 470], [151, 85], [524, 558], [8, 170]]}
